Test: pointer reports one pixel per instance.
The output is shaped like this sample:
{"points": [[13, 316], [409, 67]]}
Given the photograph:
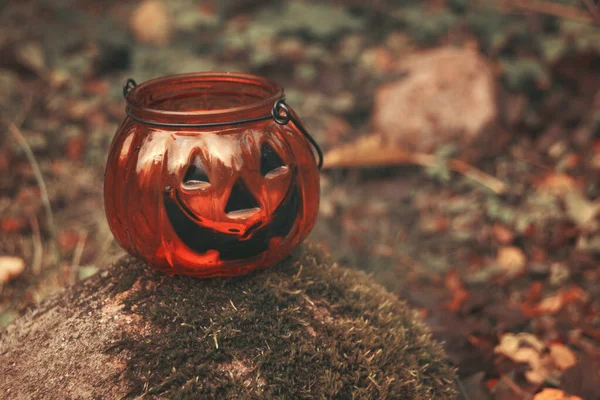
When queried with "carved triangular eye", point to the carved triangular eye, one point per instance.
{"points": [[269, 159], [196, 173]]}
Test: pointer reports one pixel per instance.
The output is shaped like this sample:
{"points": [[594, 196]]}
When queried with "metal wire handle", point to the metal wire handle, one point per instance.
{"points": [[280, 113], [127, 86], [287, 116]]}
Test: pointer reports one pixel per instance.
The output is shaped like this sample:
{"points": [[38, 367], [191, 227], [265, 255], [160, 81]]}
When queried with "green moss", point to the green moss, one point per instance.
{"points": [[305, 328], [524, 74], [426, 28]]}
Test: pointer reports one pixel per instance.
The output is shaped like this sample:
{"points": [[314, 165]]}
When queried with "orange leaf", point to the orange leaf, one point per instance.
{"points": [[97, 87], [574, 294], [538, 255], [535, 289], [550, 305], [454, 285], [554, 394], [68, 239], [572, 160], [511, 259], [457, 300], [562, 356], [12, 225], [452, 280], [502, 234], [75, 147], [491, 383], [557, 184]]}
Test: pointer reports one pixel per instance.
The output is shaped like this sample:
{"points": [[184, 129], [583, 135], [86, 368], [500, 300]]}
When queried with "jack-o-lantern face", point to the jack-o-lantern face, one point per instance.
{"points": [[236, 220], [204, 178]]}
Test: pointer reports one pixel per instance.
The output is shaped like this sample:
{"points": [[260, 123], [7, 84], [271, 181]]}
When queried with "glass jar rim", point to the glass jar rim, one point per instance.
{"points": [[140, 107]]}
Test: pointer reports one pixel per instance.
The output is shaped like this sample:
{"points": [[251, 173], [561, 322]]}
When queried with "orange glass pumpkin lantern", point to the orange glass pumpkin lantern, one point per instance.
{"points": [[210, 174]]}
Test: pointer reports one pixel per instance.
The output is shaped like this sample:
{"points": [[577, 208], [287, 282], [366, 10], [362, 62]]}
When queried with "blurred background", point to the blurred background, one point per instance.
{"points": [[462, 143]]}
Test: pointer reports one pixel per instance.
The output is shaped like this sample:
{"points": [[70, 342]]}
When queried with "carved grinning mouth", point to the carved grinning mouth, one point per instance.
{"points": [[232, 247]]}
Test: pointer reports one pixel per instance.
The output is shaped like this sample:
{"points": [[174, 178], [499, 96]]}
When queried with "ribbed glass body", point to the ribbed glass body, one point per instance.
{"points": [[209, 200]]}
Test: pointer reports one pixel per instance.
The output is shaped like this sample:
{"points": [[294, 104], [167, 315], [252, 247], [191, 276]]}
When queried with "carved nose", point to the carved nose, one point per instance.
{"points": [[241, 199]]}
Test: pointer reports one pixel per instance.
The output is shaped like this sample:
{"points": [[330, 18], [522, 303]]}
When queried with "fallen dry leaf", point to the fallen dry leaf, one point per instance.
{"points": [[511, 259], [526, 355], [32, 56], [526, 348], [574, 294], [550, 304], [556, 184], [12, 224], [579, 209], [373, 150], [151, 22], [562, 356], [10, 268], [502, 234], [433, 223], [554, 394], [363, 152], [455, 286], [540, 371], [511, 342]]}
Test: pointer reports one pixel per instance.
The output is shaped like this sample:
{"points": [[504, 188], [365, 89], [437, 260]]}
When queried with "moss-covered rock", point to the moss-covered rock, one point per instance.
{"points": [[305, 328]]}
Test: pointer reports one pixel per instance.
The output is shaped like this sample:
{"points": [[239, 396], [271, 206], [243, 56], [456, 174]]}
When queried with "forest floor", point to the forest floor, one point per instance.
{"points": [[507, 279]]}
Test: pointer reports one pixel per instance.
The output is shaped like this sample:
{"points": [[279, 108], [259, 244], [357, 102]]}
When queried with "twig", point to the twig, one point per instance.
{"points": [[16, 132], [22, 116], [385, 157], [79, 250], [77, 254], [548, 7], [38, 248], [477, 175]]}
